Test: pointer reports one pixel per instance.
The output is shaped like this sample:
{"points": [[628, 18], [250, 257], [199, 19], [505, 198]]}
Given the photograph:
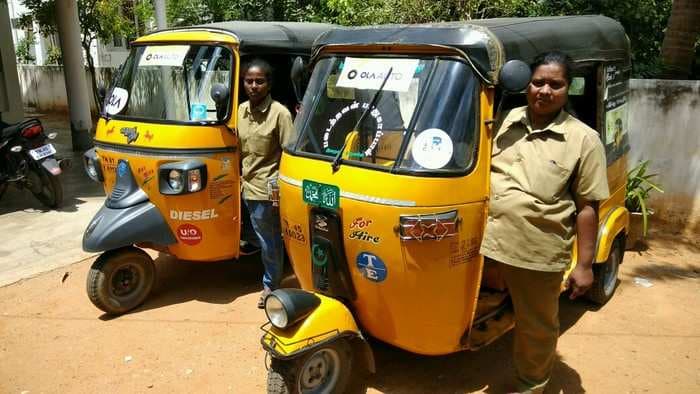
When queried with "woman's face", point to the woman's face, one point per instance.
{"points": [[548, 90], [255, 84]]}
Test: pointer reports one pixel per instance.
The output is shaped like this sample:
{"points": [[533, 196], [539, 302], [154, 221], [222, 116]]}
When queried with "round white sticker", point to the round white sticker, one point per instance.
{"points": [[117, 101], [432, 149]]}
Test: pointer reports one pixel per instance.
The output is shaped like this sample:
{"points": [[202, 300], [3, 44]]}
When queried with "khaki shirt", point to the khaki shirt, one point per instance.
{"points": [[536, 177], [263, 131]]}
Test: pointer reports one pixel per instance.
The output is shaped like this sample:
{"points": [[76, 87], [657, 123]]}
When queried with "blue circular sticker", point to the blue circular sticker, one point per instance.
{"points": [[122, 168], [372, 267]]}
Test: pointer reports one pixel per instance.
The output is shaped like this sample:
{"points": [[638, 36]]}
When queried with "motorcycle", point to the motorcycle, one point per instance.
{"points": [[28, 161]]}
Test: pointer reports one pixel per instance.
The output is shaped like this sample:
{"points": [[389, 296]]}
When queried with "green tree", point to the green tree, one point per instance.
{"points": [[103, 19], [23, 51]]}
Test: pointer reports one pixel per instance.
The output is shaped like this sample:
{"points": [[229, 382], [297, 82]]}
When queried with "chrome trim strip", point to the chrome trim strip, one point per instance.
{"points": [[156, 152], [357, 197]]}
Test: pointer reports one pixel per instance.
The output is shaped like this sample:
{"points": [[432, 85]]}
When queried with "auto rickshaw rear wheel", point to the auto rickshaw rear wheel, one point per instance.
{"points": [[120, 280], [605, 275], [323, 370]]}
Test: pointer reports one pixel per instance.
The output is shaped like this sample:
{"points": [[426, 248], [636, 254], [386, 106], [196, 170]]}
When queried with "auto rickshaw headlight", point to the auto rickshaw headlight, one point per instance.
{"points": [[285, 307], [176, 181], [182, 177]]}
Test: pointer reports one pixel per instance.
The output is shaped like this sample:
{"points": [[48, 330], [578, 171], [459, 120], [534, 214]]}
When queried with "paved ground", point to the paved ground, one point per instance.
{"points": [[37, 239]]}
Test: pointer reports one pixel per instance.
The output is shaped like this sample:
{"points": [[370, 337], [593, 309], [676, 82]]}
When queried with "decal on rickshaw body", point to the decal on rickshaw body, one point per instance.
{"points": [[371, 267], [463, 251], [189, 234], [321, 195], [365, 236], [131, 134], [293, 231], [205, 214], [360, 223], [321, 222]]}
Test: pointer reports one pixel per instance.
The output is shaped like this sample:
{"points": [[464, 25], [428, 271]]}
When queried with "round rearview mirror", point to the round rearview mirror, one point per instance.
{"points": [[219, 93], [514, 76]]}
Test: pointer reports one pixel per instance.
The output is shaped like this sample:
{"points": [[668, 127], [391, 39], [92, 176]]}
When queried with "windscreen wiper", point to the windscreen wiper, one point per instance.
{"points": [[339, 156]]}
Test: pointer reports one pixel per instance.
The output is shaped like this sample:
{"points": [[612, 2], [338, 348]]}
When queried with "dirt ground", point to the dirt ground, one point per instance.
{"points": [[199, 332]]}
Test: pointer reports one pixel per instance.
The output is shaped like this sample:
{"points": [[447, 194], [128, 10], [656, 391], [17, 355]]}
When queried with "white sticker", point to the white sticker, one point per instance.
{"points": [[432, 149], [169, 55], [116, 101], [369, 73]]}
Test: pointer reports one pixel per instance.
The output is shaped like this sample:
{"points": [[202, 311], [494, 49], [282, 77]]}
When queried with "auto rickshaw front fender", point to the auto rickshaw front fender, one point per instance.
{"points": [[615, 223], [329, 322], [114, 228]]}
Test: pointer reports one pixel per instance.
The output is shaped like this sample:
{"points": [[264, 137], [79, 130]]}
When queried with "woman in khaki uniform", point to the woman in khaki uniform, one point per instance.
{"points": [[548, 172], [264, 127]]}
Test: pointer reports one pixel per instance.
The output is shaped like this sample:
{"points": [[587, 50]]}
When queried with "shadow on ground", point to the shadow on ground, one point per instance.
{"points": [[489, 369]]}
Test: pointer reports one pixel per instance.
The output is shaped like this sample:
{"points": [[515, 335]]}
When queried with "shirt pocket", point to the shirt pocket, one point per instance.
{"points": [[547, 178], [260, 144]]}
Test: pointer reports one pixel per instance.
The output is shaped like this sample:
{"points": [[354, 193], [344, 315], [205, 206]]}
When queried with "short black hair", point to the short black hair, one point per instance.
{"points": [[555, 57], [263, 65]]}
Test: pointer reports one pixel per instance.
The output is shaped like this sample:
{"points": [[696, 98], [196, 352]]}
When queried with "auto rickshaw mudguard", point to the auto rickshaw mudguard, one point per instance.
{"points": [[615, 222], [113, 228], [329, 322]]}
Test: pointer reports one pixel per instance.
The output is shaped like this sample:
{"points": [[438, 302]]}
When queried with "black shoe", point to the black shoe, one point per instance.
{"points": [[246, 248]]}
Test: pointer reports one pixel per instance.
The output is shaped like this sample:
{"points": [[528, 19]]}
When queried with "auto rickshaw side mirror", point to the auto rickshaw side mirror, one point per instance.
{"points": [[297, 75], [219, 93], [514, 76]]}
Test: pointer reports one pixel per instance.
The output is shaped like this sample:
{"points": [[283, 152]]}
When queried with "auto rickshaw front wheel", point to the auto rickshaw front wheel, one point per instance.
{"points": [[323, 370], [605, 275], [120, 280]]}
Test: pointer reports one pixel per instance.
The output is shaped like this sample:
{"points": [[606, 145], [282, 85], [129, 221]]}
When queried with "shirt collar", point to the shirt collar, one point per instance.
{"points": [[519, 115], [263, 106]]}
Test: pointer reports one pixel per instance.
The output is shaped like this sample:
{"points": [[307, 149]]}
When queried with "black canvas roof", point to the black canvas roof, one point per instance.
{"points": [[491, 42], [279, 37]]}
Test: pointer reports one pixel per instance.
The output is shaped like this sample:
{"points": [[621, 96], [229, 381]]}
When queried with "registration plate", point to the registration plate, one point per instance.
{"points": [[42, 151], [320, 194]]}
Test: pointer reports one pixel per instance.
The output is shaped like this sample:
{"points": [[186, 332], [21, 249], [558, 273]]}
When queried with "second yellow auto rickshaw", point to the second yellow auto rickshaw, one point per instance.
{"points": [[384, 194], [167, 151]]}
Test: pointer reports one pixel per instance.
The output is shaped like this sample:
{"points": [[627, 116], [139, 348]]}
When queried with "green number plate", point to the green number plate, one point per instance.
{"points": [[321, 195]]}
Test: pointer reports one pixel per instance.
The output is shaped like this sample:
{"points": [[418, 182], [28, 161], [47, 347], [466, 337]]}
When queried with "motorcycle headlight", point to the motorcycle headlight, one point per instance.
{"points": [[285, 307], [92, 165], [176, 181]]}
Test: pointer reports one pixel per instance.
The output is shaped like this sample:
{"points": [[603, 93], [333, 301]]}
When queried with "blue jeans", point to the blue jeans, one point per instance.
{"points": [[263, 230]]}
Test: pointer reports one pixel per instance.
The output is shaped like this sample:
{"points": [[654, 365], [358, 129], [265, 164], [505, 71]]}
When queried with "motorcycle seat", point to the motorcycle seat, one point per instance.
{"points": [[14, 129]]}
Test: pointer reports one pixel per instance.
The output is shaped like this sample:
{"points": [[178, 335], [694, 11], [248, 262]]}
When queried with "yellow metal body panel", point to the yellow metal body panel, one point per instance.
{"points": [[188, 36], [214, 212], [330, 319], [429, 296]]}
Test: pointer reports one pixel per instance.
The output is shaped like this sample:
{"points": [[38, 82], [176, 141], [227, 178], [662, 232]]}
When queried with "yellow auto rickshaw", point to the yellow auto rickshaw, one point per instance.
{"points": [[167, 152], [384, 194]]}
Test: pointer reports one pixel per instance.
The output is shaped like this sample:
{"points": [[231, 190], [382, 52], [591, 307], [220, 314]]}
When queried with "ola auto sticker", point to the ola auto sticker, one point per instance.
{"points": [[371, 267], [164, 55], [369, 73], [432, 149], [189, 234]]}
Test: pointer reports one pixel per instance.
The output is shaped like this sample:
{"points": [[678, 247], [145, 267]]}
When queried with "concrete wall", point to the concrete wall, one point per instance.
{"points": [[44, 87], [665, 128]]}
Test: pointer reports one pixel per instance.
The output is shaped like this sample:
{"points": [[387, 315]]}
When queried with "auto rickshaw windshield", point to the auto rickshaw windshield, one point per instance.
{"points": [[423, 120], [170, 83]]}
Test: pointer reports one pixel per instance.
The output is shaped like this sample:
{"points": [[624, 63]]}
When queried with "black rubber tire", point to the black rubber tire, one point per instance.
{"points": [[50, 192], [605, 275], [284, 376], [100, 279]]}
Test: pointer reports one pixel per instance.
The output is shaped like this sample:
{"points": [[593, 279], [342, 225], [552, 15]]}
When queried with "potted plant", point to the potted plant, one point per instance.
{"points": [[639, 185]]}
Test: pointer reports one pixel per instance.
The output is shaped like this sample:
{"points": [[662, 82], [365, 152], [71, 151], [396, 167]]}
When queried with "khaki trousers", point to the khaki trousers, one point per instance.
{"points": [[535, 297]]}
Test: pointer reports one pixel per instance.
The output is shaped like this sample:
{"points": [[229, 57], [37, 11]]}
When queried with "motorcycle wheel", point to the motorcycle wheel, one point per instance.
{"points": [[45, 187]]}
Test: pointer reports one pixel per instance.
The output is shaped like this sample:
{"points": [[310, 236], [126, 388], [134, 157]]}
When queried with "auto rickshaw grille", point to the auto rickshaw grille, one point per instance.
{"points": [[329, 268]]}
